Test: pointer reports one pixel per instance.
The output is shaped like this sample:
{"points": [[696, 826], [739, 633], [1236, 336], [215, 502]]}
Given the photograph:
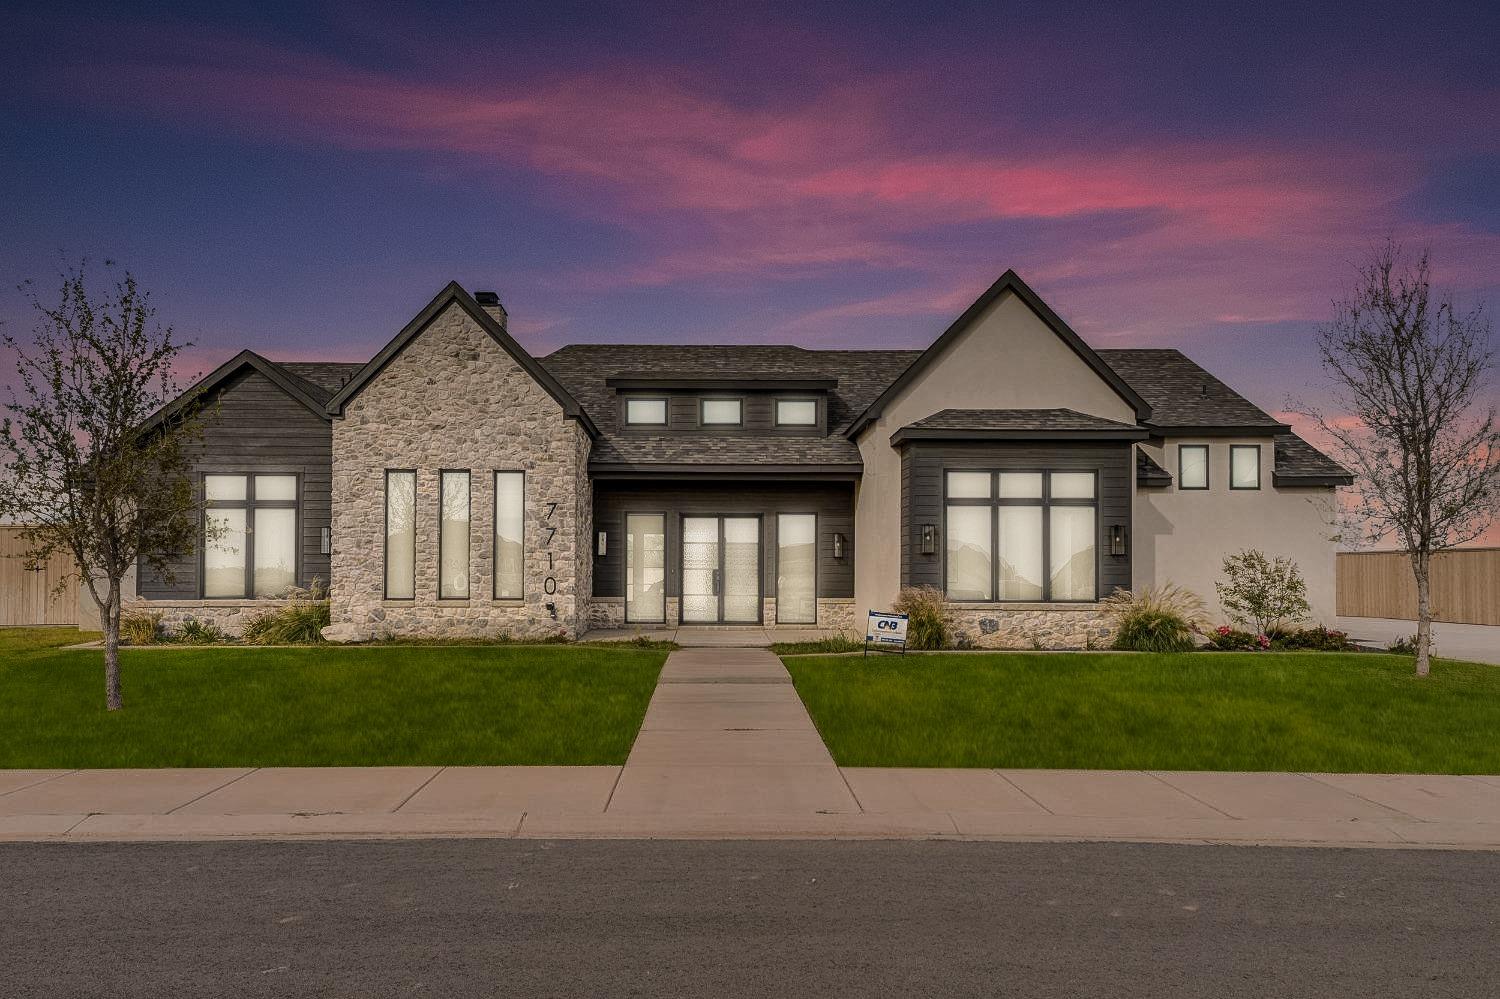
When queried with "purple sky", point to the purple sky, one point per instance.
{"points": [[302, 178]]}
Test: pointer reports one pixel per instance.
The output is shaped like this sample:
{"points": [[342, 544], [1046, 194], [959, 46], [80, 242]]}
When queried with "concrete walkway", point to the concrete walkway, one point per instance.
{"points": [[727, 751]]}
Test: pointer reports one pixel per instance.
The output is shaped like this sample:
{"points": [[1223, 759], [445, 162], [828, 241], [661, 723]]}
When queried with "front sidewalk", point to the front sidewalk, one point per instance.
{"points": [[727, 751]]}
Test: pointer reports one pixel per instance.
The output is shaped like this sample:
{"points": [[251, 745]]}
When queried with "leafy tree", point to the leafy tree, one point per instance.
{"points": [[82, 474], [1409, 373], [1262, 592]]}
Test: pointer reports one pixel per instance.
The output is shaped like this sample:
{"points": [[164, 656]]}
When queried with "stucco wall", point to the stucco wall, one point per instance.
{"points": [[1182, 536], [1007, 359], [455, 399]]}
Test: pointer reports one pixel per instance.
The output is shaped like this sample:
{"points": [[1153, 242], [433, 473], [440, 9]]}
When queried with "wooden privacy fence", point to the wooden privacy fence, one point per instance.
{"points": [[27, 596], [1465, 586]]}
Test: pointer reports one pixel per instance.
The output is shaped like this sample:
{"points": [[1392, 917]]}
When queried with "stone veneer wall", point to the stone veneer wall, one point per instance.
{"points": [[1032, 626], [454, 399]]}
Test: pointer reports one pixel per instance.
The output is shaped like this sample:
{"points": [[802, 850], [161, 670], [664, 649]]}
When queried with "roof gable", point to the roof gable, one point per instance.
{"points": [[454, 294], [1008, 282], [294, 386]]}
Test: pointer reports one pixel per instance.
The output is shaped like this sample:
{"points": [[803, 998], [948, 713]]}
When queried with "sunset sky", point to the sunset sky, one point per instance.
{"points": [[302, 178]]}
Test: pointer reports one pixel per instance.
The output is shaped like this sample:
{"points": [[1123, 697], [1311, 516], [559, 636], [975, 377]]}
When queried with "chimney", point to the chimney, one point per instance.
{"points": [[490, 302]]}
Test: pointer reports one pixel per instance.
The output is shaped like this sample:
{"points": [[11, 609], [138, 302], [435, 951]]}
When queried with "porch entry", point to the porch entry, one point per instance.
{"points": [[721, 570]]}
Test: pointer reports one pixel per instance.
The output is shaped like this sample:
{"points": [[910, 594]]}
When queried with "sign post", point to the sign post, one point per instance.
{"points": [[886, 631]]}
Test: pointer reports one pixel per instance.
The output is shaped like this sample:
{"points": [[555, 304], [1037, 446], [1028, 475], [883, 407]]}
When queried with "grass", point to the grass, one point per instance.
{"points": [[821, 646], [1221, 711], [203, 707]]}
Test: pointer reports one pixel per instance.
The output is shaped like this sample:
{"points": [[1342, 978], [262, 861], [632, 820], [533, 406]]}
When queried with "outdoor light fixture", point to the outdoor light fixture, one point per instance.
{"points": [[601, 548], [929, 539], [325, 541], [838, 546], [1117, 539]]}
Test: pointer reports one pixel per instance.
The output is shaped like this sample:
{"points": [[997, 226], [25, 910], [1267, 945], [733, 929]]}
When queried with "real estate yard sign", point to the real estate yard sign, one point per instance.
{"points": [[886, 631]]}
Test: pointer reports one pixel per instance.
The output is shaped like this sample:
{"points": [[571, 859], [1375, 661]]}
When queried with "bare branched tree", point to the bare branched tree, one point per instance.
{"points": [[81, 475], [1409, 415]]}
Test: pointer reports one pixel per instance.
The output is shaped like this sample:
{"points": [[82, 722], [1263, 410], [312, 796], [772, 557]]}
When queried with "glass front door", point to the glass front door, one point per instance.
{"points": [[720, 570]]}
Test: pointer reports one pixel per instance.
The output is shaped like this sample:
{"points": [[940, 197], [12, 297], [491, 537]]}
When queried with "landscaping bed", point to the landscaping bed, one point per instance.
{"points": [[325, 706], [1267, 711]]}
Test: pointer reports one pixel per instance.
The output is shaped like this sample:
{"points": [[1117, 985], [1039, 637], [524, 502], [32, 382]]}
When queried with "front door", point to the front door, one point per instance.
{"points": [[720, 570]]}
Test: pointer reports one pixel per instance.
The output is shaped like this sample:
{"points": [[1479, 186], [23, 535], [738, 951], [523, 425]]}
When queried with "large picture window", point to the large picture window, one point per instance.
{"points": [[453, 536], [400, 535], [1029, 535], [510, 530], [250, 535]]}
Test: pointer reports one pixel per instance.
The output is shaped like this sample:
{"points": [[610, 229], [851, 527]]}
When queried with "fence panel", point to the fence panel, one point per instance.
{"points": [[1465, 586], [28, 597]]}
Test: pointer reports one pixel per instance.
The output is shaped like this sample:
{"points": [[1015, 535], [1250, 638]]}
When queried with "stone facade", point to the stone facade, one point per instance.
{"points": [[1032, 626], [229, 616], [455, 399]]}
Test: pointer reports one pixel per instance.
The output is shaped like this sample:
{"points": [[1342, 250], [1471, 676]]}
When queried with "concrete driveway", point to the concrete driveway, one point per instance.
{"points": [[1474, 642]]}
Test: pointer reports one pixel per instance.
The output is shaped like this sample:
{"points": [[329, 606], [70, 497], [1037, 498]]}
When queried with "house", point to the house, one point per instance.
{"points": [[456, 485]]}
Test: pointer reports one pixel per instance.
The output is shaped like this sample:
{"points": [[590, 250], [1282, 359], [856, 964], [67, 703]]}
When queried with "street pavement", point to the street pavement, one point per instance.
{"points": [[457, 918]]}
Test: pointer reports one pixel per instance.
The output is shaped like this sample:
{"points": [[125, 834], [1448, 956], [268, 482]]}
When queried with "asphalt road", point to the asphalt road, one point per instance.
{"points": [[503, 918]]}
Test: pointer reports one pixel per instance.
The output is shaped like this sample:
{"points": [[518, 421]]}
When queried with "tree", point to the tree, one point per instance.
{"points": [[1265, 593], [1408, 372], [84, 474]]}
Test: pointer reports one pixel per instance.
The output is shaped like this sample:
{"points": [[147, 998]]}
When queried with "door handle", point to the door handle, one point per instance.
{"points": [[716, 582]]}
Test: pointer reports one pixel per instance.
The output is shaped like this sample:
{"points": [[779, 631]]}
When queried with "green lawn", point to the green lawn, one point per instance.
{"points": [[203, 707], [1205, 711]]}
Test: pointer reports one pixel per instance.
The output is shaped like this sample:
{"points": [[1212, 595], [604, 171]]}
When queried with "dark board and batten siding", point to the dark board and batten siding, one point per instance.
{"points": [[259, 428], [833, 502], [923, 464]]}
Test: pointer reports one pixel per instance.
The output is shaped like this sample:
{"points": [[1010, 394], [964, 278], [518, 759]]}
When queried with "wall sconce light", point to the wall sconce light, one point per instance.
{"points": [[601, 546], [325, 540], [929, 539], [1117, 539], [838, 546]]}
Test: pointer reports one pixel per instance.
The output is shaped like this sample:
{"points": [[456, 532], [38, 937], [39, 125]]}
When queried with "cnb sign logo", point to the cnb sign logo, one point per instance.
{"points": [[886, 631]]}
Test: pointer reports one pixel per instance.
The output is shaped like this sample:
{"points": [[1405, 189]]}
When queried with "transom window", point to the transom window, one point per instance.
{"points": [[1021, 535], [719, 412], [1192, 466], [249, 535], [796, 412], [1244, 466], [646, 412]]}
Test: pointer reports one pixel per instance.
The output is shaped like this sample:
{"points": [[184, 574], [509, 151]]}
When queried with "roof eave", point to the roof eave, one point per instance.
{"points": [[1217, 430], [937, 434], [1290, 479]]}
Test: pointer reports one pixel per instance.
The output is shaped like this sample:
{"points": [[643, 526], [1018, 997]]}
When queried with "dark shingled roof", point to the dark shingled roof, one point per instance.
{"points": [[1298, 462], [1017, 419], [323, 378], [1148, 472], [862, 375], [1181, 394]]}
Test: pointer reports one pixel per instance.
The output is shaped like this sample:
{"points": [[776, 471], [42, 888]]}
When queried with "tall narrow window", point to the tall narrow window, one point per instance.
{"points": [[797, 568], [969, 547], [400, 535], [250, 535], [645, 567], [1244, 466], [453, 536], [1192, 466], [510, 525]]}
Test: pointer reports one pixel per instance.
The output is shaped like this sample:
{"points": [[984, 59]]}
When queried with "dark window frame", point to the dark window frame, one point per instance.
{"points": [[1208, 475], [443, 473], [495, 533], [817, 561], [385, 562], [1245, 447], [666, 567], [249, 504], [776, 412], [666, 410], [737, 399], [1046, 502]]}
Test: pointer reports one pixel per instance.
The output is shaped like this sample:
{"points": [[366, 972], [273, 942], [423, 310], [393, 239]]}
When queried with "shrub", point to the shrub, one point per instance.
{"points": [[1157, 619], [929, 622], [300, 621], [195, 632], [1406, 646], [1319, 639], [1227, 639], [141, 629], [1266, 594]]}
